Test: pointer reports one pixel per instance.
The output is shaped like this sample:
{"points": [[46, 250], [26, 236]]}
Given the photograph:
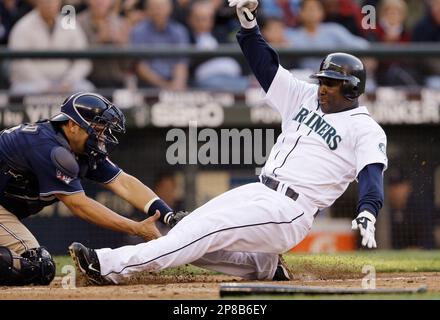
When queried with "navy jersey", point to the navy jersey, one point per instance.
{"points": [[30, 173]]}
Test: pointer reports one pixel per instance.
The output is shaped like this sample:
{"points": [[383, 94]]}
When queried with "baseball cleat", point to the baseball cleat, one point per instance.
{"points": [[282, 273], [87, 263]]}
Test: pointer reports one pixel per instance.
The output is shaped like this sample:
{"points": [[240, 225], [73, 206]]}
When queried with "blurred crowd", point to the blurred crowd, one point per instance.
{"points": [[205, 24]]}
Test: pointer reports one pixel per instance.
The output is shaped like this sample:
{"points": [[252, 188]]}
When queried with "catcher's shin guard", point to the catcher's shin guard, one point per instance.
{"points": [[35, 266]]}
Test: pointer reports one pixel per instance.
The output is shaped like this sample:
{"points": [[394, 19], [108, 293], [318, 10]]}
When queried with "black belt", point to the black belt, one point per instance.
{"points": [[273, 184]]}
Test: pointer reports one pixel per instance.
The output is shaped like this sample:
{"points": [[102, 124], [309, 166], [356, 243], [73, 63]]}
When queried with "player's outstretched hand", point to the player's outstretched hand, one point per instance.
{"points": [[246, 12], [147, 228], [365, 223]]}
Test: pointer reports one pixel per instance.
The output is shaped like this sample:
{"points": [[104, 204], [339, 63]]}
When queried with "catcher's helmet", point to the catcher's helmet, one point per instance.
{"points": [[345, 67], [98, 116]]}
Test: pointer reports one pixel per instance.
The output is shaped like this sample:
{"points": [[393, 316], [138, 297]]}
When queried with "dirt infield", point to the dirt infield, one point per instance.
{"points": [[202, 287]]}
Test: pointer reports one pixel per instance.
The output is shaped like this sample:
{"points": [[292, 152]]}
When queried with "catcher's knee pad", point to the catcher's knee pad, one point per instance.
{"points": [[34, 266]]}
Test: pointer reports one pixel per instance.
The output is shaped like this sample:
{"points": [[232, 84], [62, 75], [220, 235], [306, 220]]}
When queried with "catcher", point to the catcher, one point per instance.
{"points": [[44, 162]]}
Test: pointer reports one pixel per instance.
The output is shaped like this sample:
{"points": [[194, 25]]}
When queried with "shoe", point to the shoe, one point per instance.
{"points": [[87, 262], [282, 273]]}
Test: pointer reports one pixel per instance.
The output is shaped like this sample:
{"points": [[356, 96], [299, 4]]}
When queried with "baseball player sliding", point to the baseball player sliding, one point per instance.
{"points": [[327, 141]]}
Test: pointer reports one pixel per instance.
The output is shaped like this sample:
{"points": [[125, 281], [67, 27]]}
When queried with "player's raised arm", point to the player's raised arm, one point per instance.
{"points": [[261, 57], [284, 92]]}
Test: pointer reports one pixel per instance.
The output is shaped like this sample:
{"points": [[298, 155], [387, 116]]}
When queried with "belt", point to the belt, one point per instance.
{"points": [[273, 184]]}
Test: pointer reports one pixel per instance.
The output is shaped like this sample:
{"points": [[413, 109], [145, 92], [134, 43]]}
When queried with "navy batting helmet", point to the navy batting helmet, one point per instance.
{"points": [[345, 67], [98, 117]]}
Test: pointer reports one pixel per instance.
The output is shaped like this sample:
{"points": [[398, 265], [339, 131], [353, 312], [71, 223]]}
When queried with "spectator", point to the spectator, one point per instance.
{"points": [[391, 22], [41, 29], [391, 29], [274, 30], [316, 34], [346, 13], [158, 30], [131, 10], [287, 10], [10, 12], [411, 212], [428, 30], [225, 19], [103, 27], [221, 73], [166, 188], [415, 8], [181, 11]]}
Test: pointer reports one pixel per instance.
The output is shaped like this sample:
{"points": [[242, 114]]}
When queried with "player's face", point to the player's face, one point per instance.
{"points": [[77, 137], [100, 133], [329, 95]]}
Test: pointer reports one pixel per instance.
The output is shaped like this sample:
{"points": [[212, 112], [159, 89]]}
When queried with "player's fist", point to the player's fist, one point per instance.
{"points": [[365, 223], [246, 12]]}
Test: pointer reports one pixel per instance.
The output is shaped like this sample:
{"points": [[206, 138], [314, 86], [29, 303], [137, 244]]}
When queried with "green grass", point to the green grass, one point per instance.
{"points": [[327, 264], [353, 262], [336, 266], [62, 261]]}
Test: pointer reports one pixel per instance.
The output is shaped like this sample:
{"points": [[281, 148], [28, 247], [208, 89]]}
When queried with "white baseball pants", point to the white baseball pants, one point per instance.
{"points": [[240, 233]]}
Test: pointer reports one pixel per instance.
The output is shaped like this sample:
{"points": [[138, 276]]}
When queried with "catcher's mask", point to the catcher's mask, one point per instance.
{"points": [[98, 117]]}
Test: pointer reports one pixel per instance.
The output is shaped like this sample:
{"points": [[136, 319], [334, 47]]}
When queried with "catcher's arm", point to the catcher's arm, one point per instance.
{"points": [[143, 198], [96, 213], [131, 190]]}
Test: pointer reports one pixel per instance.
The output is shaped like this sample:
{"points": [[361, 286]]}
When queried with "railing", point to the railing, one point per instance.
{"points": [[412, 50]]}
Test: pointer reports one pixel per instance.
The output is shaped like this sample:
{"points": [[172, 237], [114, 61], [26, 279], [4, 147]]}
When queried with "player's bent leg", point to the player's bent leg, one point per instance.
{"points": [[248, 225], [247, 265], [35, 266], [14, 234]]}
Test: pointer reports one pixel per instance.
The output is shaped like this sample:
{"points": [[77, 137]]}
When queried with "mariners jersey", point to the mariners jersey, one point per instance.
{"points": [[319, 154], [30, 177]]}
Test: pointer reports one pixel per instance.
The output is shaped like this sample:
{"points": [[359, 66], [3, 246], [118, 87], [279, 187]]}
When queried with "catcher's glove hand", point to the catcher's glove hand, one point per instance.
{"points": [[365, 223], [175, 217], [246, 12]]}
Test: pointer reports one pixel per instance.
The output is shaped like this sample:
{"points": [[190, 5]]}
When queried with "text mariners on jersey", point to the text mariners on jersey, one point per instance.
{"points": [[320, 126]]}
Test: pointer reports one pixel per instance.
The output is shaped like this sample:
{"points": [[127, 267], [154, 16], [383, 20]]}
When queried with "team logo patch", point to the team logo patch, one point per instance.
{"points": [[66, 179], [382, 148]]}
